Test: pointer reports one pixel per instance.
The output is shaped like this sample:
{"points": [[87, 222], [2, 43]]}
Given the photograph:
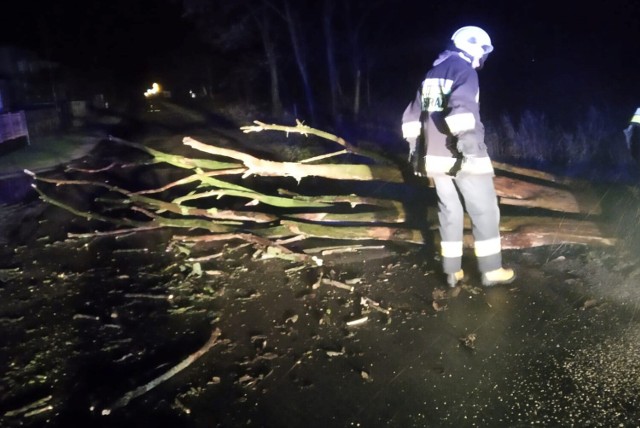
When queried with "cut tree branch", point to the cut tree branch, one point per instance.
{"points": [[297, 170]]}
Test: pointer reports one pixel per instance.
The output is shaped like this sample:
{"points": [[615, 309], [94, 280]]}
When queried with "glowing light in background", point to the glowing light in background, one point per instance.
{"points": [[155, 90]]}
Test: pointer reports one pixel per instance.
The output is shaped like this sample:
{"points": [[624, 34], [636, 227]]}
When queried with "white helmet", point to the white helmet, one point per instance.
{"points": [[473, 41]]}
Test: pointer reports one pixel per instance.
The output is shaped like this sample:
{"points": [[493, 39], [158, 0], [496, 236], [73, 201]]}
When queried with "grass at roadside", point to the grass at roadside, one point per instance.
{"points": [[45, 152]]}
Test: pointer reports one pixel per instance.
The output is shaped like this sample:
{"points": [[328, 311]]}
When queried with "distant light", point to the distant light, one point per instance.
{"points": [[155, 90], [193, 94]]}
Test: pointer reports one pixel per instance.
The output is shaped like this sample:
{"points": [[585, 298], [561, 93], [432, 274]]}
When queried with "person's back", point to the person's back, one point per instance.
{"points": [[446, 136], [453, 129]]}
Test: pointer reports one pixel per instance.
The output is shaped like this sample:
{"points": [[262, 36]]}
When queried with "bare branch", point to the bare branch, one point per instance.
{"points": [[306, 130], [141, 390]]}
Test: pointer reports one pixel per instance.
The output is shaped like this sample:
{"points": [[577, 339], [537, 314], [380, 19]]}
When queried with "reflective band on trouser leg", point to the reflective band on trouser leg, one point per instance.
{"points": [[451, 253], [487, 247], [451, 249], [482, 205]]}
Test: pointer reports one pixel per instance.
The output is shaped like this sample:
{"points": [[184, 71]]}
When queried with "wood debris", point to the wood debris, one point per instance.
{"points": [[357, 321], [438, 307], [32, 409], [141, 390], [469, 341], [338, 284], [365, 301], [335, 353], [589, 303]]}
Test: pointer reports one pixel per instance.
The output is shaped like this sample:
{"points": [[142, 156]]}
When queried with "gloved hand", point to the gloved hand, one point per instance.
{"points": [[457, 167]]}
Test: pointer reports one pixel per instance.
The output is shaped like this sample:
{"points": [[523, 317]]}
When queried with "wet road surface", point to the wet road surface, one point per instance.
{"points": [[86, 320]]}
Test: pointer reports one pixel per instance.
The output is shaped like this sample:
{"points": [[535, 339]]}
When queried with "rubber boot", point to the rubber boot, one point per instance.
{"points": [[454, 278], [497, 277]]}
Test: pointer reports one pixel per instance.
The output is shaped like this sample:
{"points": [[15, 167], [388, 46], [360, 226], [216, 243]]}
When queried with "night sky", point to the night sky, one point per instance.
{"points": [[125, 37], [549, 55]]}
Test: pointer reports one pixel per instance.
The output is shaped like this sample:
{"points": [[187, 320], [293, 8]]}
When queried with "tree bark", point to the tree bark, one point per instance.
{"points": [[525, 194], [510, 190]]}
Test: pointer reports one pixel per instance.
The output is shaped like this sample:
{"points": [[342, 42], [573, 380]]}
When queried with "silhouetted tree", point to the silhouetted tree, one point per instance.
{"points": [[335, 89], [345, 30]]}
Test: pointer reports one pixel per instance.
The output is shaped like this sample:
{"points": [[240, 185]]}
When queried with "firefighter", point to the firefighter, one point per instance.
{"points": [[632, 134], [446, 140]]}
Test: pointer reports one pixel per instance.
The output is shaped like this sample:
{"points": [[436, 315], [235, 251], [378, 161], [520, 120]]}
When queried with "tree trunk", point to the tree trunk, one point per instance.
{"points": [[264, 25], [511, 191], [201, 201], [356, 95], [334, 81], [300, 59]]}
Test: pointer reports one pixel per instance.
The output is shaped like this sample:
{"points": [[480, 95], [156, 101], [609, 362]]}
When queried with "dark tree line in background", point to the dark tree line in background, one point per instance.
{"points": [[334, 62], [320, 53]]}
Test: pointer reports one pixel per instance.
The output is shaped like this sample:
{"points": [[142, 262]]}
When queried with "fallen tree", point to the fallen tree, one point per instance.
{"points": [[203, 203]]}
